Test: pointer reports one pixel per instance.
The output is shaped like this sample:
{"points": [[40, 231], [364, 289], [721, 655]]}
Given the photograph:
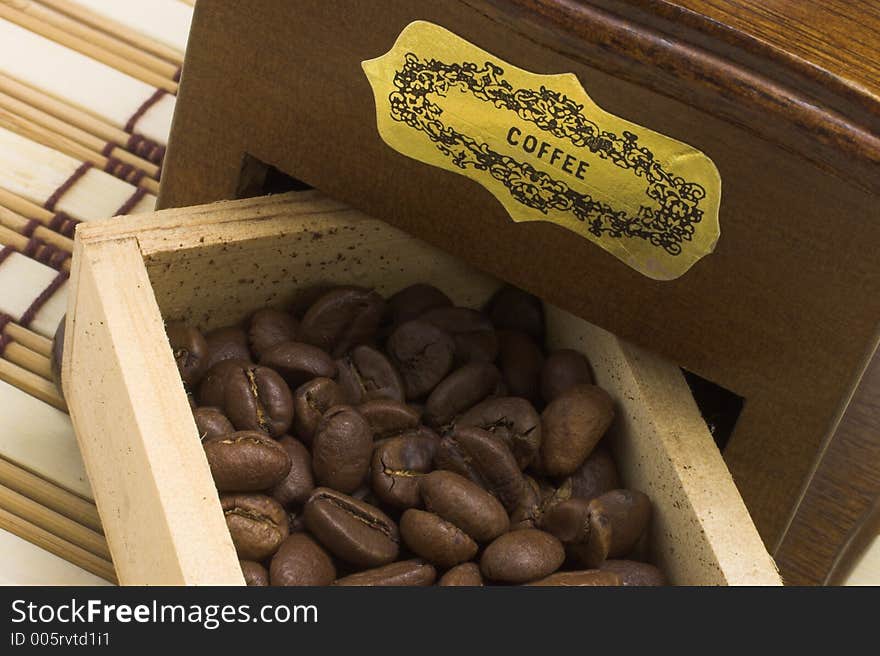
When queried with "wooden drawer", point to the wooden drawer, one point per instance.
{"points": [[213, 265]]}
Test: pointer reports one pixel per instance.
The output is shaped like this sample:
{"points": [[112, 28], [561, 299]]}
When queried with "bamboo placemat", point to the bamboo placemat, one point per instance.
{"points": [[87, 91]]}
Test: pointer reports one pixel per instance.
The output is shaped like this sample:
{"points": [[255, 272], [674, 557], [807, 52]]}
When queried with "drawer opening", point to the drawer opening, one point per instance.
{"points": [[257, 178], [719, 407]]}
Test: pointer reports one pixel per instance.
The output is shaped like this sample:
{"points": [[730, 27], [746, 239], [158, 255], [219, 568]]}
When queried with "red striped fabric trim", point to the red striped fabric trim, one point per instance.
{"points": [[149, 102], [147, 149], [128, 205], [58, 193], [119, 169], [29, 227], [5, 251], [64, 223]]}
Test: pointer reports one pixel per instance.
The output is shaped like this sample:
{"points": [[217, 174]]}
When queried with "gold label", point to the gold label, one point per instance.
{"points": [[546, 151]]}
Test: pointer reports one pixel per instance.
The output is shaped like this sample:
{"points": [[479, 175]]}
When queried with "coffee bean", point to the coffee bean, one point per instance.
{"points": [[522, 556], [256, 523], [386, 417], [255, 575], [572, 425], [511, 308], [589, 577], [528, 509], [228, 343], [628, 513], [436, 540], [402, 573], [472, 332], [310, 401], [298, 362], [422, 353], [210, 422], [341, 449], [190, 351], [562, 370], [474, 453], [512, 420], [269, 327], [365, 374], [459, 391], [297, 486], [464, 504], [397, 465], [246, 461], [634, 573], [342, 318], [597, 475], [410, 302], [356, 532], [257, 398], [212, 390], [301, 561], [520, 361], [466, 574]]}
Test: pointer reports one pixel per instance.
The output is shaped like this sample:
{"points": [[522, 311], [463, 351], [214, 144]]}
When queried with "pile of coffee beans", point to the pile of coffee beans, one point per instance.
{"points": [[359, 440]]}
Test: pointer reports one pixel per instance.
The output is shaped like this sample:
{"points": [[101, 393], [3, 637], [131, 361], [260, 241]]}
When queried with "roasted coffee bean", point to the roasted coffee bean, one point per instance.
{"points": [[596, 476], [297, 486], [529, 507], [397, 465], [511, 419], [606, 527], [310, 401], [255, 575], [342, 318], [270, 327], [341, 449], [522, 556], [410, 302], [465, 504], [301, 561], [588, 577], [358, 533], [190, 351], [572, 425], [257, 398], [298, 362], [246, 461], [466, 574], [634, 573], [562, 370], [511, 308], [257, 524], [422, 353], [366, 374], [474, 453], [436, 540], [520, 360], [387, 417], [459, 391], [229, 343], [212, 390], [472, 332], [402, 573], [210, 422]]}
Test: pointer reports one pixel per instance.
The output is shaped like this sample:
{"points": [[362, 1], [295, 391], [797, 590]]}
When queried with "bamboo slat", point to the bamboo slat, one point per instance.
{"points": [[33, 362], [56, 545], [109, 26], [166, 22], [80, 136], [40, 439], [34, 171], [38, 25], [30, 339], [29, 382], [63, 144], [19, 242], [52, 496], [22, 280], [26, 564], [107, 41], [54, 522], [81, 81], [18, 223]]}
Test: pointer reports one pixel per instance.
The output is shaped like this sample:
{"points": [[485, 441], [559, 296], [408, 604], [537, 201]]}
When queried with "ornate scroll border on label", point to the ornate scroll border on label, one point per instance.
{"points": [[546, 150]]}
